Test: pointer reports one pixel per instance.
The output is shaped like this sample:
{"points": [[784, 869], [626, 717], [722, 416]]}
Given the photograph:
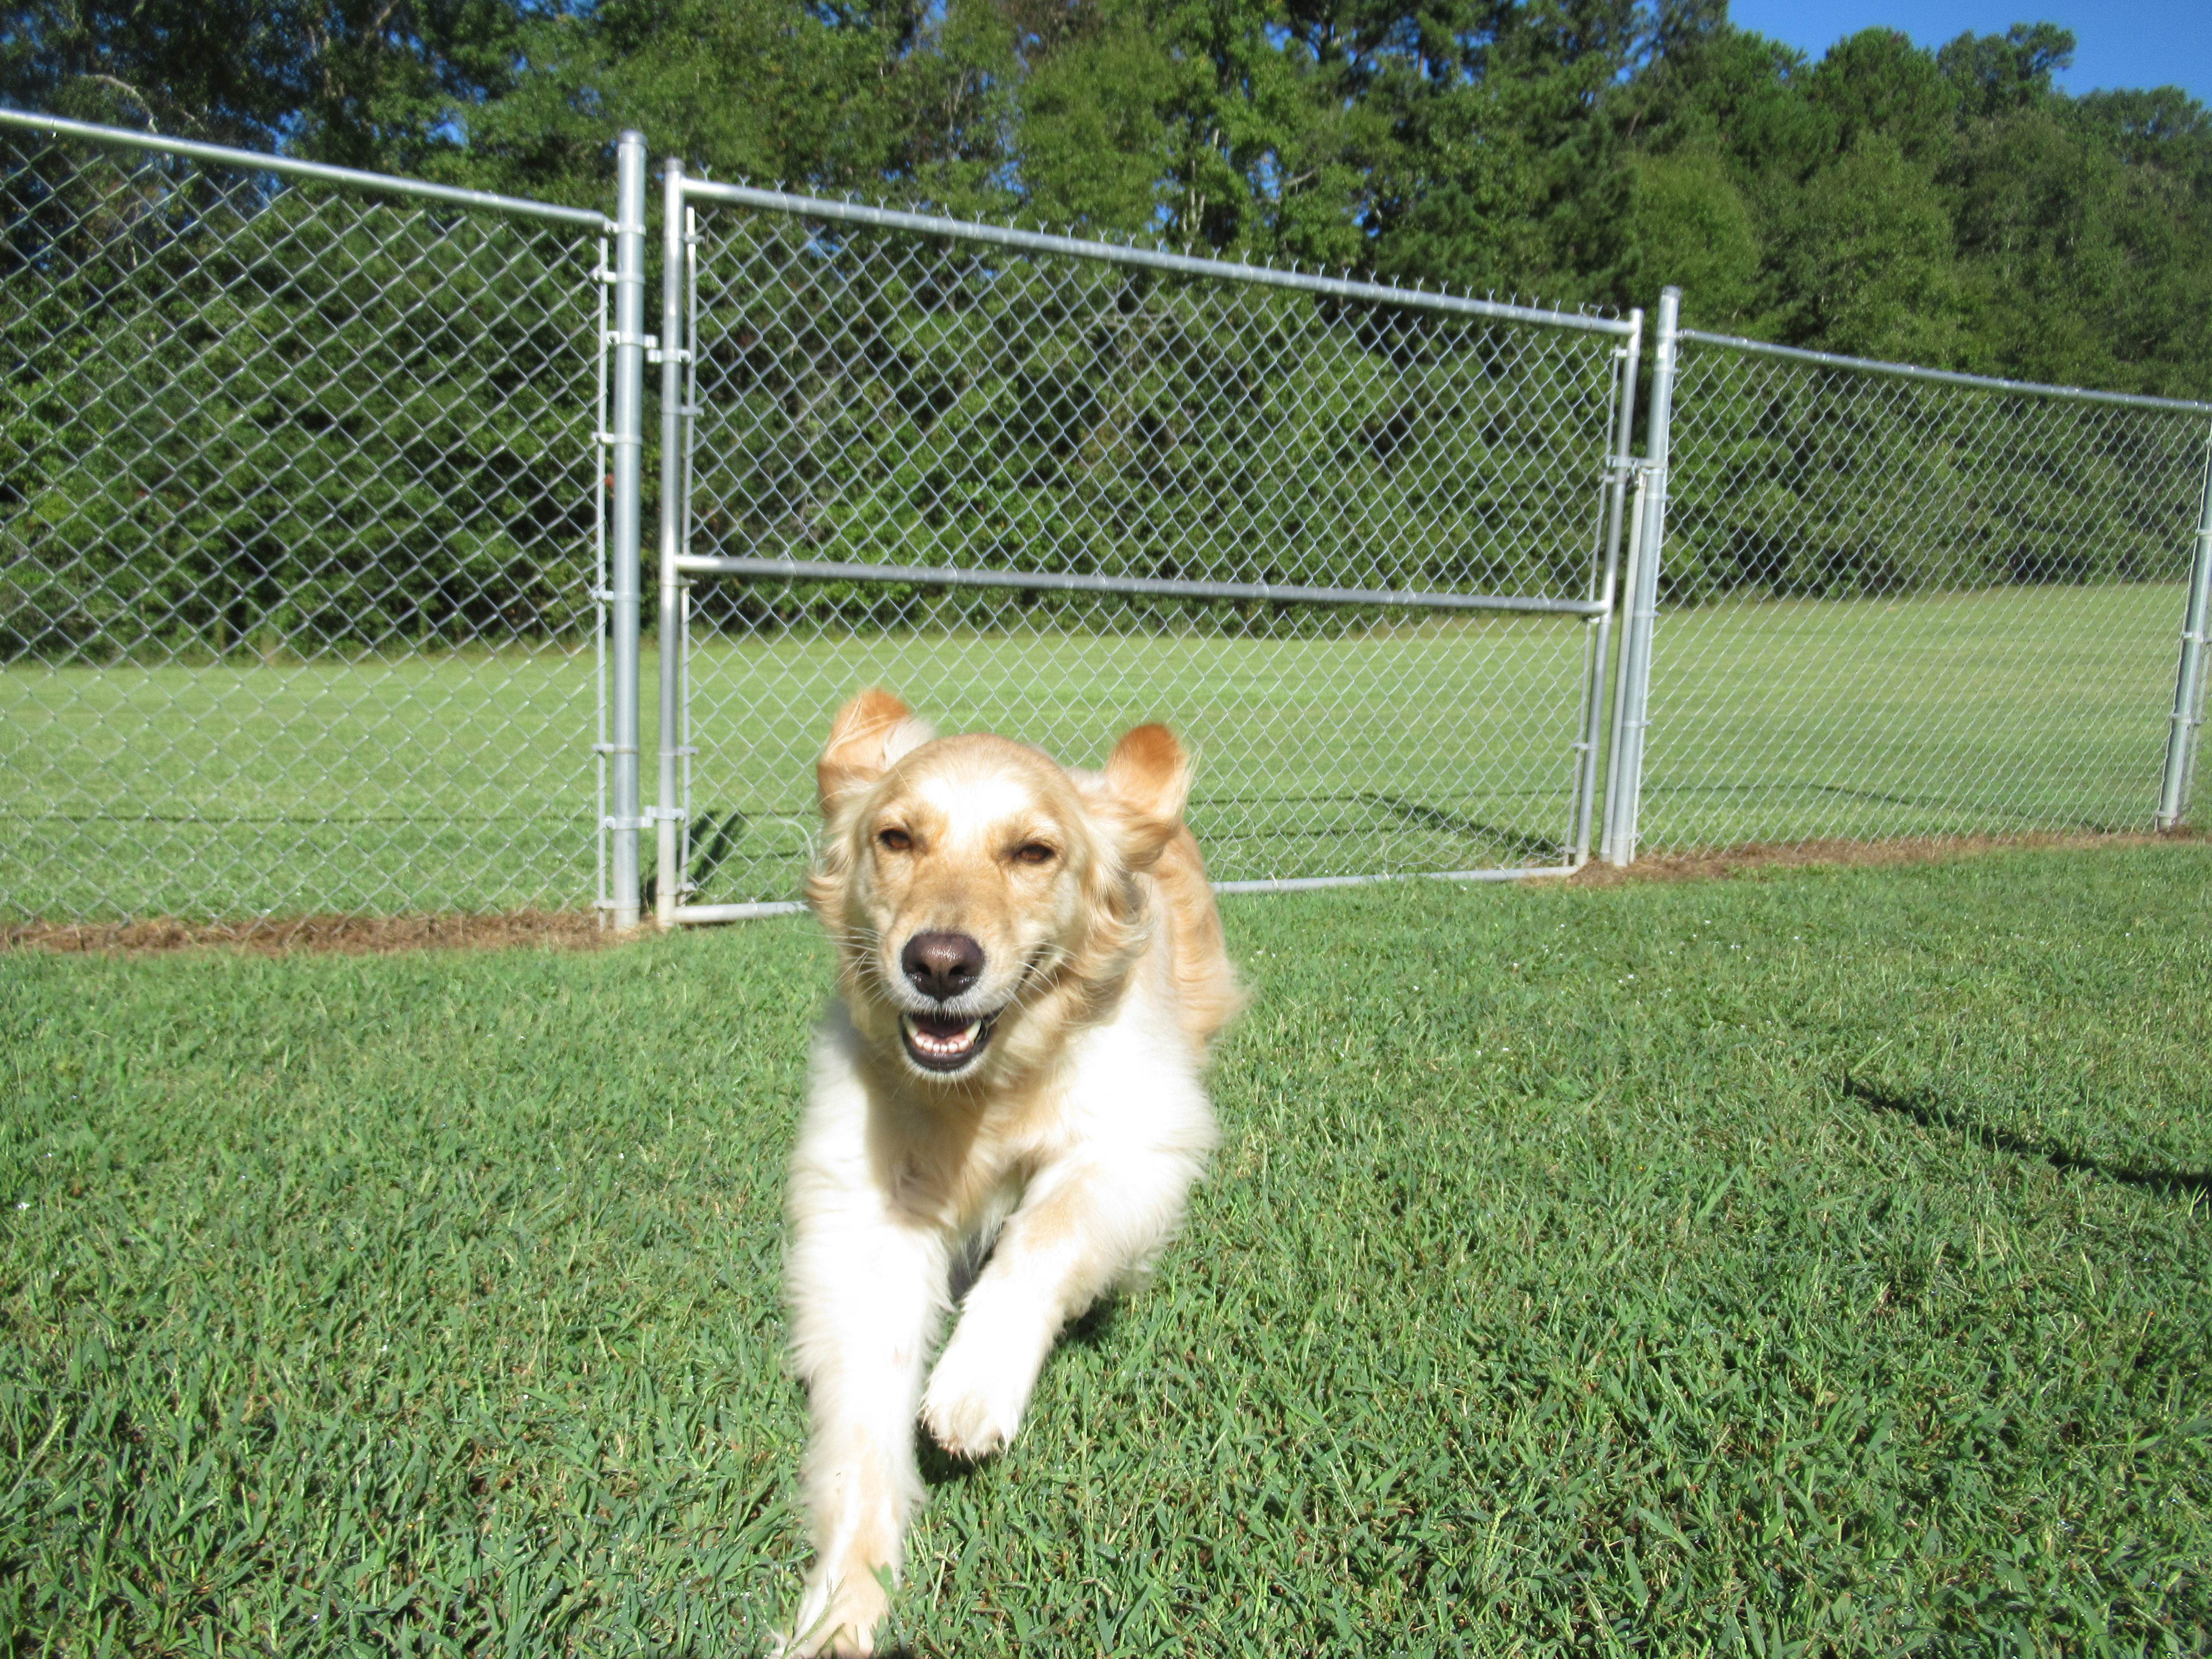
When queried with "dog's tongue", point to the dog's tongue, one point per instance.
{"points": [[943, 1029]]}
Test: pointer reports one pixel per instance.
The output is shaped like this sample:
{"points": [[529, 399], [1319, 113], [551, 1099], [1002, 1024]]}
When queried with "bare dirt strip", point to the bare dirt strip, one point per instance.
{"points": [[581, 930], [1723, 863], [359, 935]]}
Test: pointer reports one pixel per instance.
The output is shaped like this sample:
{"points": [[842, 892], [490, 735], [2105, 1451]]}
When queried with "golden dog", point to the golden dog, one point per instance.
{"points": [[1030, 971]]}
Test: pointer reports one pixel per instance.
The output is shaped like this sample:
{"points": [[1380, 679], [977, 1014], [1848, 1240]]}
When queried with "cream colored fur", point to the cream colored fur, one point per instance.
{"points": [[1068, 1146]]}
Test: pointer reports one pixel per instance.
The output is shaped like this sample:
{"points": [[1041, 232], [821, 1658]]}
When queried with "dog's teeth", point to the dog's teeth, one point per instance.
{"points": [[955, 1042]]}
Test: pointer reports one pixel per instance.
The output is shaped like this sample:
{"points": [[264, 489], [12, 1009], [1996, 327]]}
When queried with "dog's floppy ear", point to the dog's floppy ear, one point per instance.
{"points": [[1148, 776], [869, 733]]}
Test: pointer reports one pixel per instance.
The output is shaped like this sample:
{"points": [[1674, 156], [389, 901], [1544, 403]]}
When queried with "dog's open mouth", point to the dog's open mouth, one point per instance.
{"points": [[943, 1044]]}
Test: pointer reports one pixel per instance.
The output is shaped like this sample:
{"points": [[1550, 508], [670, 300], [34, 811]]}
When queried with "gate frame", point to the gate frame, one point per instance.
{"points": [[680, 409]]}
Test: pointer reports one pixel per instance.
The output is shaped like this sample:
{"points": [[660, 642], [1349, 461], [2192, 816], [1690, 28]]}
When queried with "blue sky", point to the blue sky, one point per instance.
{"points": [[2124, 43]]}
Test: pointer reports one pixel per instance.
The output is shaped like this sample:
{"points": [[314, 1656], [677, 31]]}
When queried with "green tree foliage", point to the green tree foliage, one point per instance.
{"points": [[306, 422], [1951, 205], [362, 82], [207, 399]]}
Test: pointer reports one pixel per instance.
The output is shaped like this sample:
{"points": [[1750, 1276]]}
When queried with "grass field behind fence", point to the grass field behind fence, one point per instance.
{"points": [[463, 782], [1818, 1263], [2000, 711]]}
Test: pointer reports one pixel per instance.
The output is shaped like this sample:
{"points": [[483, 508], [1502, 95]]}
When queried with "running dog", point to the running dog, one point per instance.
{"points": [[1029, 974]]}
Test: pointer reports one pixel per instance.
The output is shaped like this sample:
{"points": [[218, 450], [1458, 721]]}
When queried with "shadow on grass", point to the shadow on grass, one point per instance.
{"points": [[1925, 1112], [713, 842], [1875, 797], [1519, 842]]}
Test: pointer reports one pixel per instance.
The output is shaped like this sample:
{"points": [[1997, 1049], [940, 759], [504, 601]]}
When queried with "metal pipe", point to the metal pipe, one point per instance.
{"points": [[256, 162], [603, 742], [690, 430], [626, 439], [668, 857], [1599, 643], [686, 914], [1314, 883], [705, 564], [2189, 679], [1028, 242], [1615, 794], [1944, 376], [1643, 600]]}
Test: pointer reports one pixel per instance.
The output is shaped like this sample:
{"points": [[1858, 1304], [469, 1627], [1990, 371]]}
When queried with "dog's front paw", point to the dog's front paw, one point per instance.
{"points": [[972, 1409], [836, 1617]]}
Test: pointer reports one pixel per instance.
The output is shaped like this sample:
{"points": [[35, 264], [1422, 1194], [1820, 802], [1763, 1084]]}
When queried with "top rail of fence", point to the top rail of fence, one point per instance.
{"points": [[1944, 376], [1182, 264], [289, 167]]}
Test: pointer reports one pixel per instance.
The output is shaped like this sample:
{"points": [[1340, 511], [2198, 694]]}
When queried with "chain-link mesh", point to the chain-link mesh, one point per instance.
{"points": [[880, 397], [1892, 607], [296, 545]]}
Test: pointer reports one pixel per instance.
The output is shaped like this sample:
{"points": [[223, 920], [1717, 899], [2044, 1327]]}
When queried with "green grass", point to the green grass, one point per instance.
{"points": [[2013, 709], [463, 782], [1814, 1263]]}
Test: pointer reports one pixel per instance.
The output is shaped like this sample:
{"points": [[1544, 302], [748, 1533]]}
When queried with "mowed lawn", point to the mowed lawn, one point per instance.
{"points": [[2011, 709], [1814, 1263], [464, 781]]}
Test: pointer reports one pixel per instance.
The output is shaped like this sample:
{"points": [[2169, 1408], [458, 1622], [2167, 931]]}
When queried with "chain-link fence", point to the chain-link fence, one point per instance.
{"points": [[1349, 541], [321, 498], [1896, 603], [298, 519]]}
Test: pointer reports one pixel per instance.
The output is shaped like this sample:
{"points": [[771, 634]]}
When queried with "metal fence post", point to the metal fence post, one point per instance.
{"points": [[1647, 544], [1599, 630], [1632, 579], [2189, 680], [626, 440], [668, 862]]}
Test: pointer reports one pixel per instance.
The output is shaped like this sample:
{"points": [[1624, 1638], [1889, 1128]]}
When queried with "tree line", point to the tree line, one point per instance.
{"points": [[239, 420], [1951, 207]]}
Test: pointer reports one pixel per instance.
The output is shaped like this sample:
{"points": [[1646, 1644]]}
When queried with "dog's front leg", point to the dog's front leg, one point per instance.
{"points": [[1080, 1229], [866, 1295]]}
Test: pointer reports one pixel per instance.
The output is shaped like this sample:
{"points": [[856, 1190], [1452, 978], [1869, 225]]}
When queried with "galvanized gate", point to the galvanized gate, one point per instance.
{"points": [[1357, 542]]}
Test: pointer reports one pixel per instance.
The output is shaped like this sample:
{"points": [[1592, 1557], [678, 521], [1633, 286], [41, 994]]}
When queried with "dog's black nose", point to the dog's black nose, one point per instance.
{"points": [[942, 965]]}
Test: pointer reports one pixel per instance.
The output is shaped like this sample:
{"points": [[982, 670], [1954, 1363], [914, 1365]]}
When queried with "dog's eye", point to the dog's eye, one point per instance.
{"points": [[1035, 852], [894, 840]]}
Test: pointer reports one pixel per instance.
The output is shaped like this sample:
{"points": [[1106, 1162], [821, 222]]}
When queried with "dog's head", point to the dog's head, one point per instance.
{"points": [[981, 895]]}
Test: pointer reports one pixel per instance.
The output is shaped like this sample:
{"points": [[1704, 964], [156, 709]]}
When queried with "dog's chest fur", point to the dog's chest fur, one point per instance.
{"points": [[957, 1166]]}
